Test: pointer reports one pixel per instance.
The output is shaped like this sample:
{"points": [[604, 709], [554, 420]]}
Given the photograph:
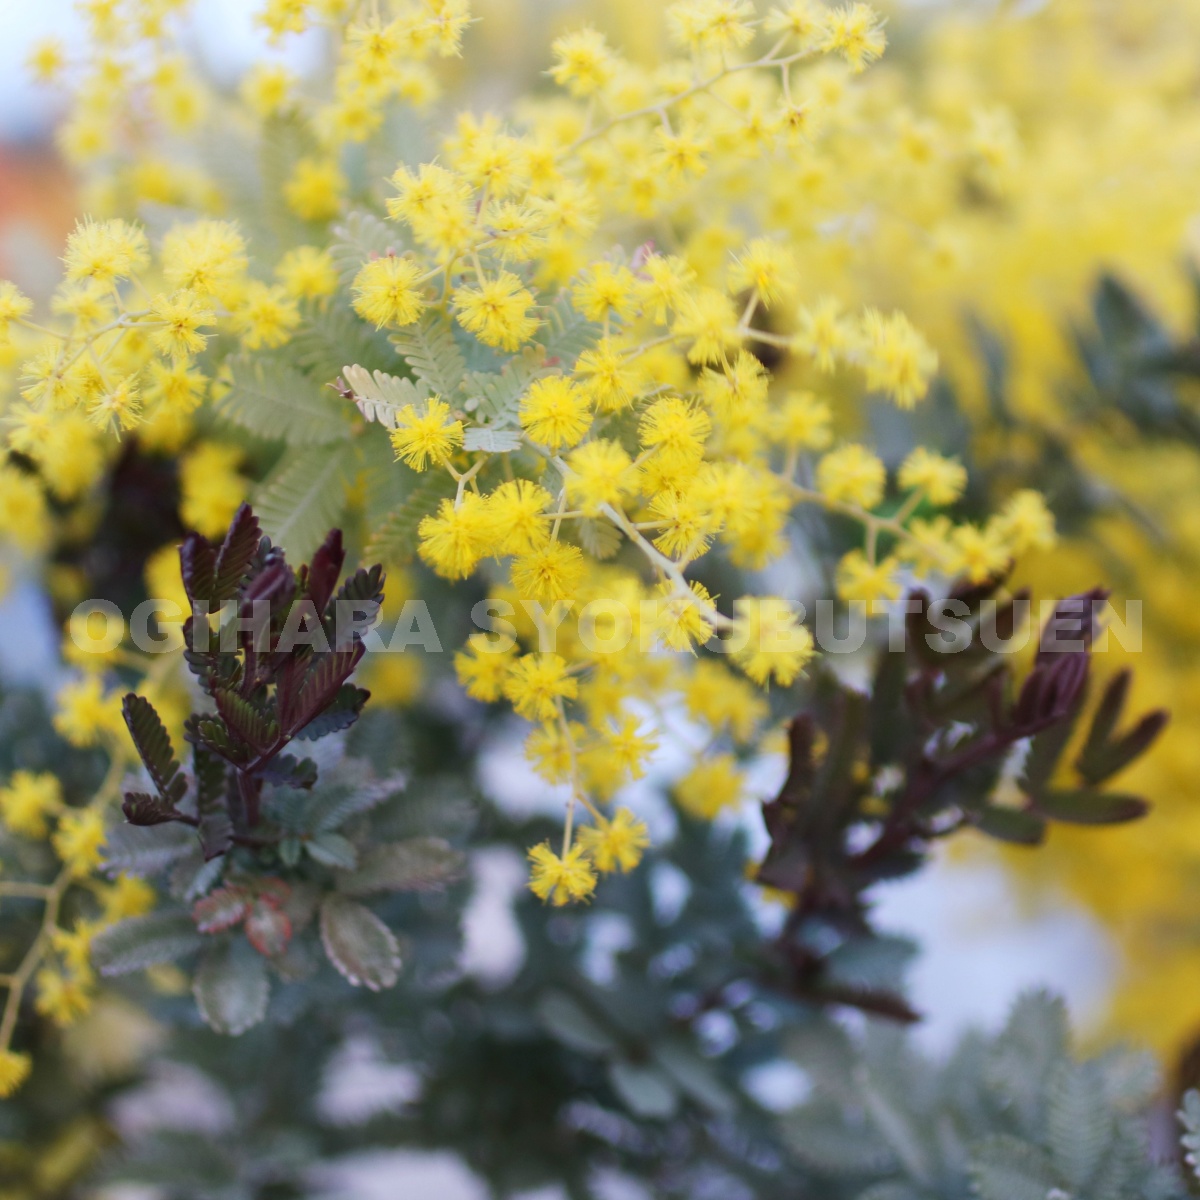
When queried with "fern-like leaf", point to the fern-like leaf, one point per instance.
{"points": [[273, 400], [432, 354], [360, 237], [380, 396], [305, 496], [395, 541]]}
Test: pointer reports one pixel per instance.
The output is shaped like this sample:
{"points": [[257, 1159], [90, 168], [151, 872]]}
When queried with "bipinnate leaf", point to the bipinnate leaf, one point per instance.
{"points": [[1006, 1168], [417, 864], [433, 356], [140, 942], [154, 747], [235, 554], [359, 945], [381, 397], [231, 988]]}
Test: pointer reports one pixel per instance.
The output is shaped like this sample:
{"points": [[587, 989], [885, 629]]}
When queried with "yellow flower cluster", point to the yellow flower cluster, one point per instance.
{"points": [[711, 392]]}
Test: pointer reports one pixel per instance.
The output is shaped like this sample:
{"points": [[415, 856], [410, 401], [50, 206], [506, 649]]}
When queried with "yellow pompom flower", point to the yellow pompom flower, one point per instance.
{"points": [[13, 306], [457, 537], [1025, 523], [550, 572], [316, 189], [60, 998], [79, 839], [716, 26], [601, 473], [497, 311], [386, 291], [768, 641], [560, 880], [267, 88], [584, 63], [680, 619], [610, 380], [24, 516], [206, 257], [307, 273], [941, 479], [128, 896], [481, 669], [708, 319], [104, 252], [855, 31], [852, 475], [675, 430], [859, 581], [535, 684], [518, 509], [423, 437], [27, 800], [181, 317], [14, 1070], [802, 422], [767, 267], [980, 554], [211, 487], [615, 844], [710, 787], [897, 359], [607, 291], [825, 333], [555, 412]]}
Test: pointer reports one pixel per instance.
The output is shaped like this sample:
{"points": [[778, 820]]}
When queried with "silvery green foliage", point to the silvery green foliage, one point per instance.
{"points": [[1015, 1117]]}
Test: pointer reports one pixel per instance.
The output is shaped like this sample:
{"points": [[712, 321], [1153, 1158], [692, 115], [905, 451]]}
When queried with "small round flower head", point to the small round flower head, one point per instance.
{"points": [[852, 475], [118, 407], [561, 880], [24, 516], [855, 31], [63, 998], [457, 537], [424, 437], [482, 668], [715, 26], [610, 380], [675, 430], [181, 317], [13, 306], [940, 479], [387, 291], [536, 683], [825, 333], [897, 359], [681, 620], [616, 844], [307, 273], [84, 713], [710, 787], [316, 189], [601, 473], [551, 572], [1025, 522], [768, 641], [518, 509], [105, 252], [27, 800], [583, 62], [859, 581], [46, 61], [802, 422], [607, 291], [497, 311], [14, 1070], [709, 321], [206, 257], [267, 88], [555, 412], [767, 267], [79, 839], [980, 554]]}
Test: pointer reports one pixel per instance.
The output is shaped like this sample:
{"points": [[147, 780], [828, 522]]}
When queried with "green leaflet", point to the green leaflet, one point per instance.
{"points": [[329, 337], [360, 237], [305, 496], [432, 354], [395, 540], [380, 396], [271, 399]]}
